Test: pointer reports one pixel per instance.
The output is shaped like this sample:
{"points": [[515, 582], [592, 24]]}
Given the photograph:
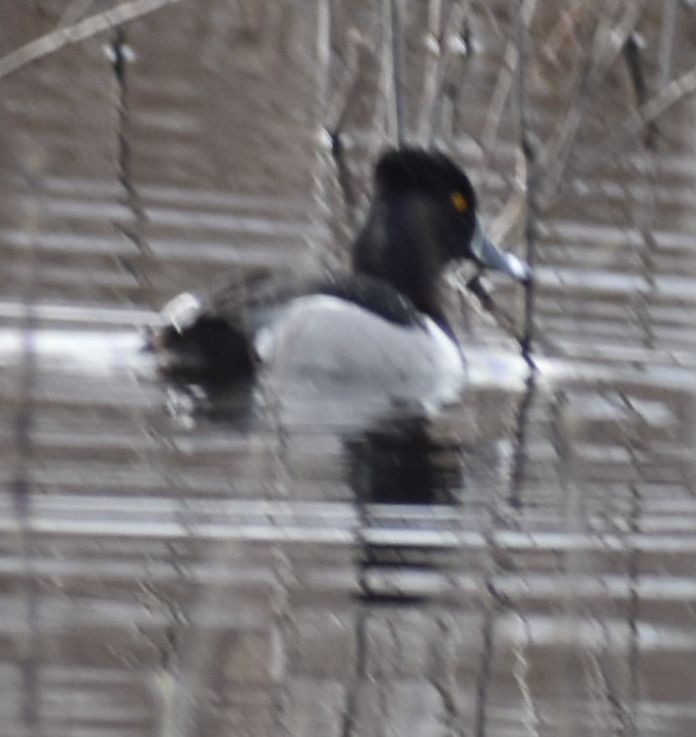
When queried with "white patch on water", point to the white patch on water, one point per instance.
{"points": [[89, 351], [491, 368]]}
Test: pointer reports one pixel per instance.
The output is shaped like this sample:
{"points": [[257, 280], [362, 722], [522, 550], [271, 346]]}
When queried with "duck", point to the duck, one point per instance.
{"points": [[381, 328]]}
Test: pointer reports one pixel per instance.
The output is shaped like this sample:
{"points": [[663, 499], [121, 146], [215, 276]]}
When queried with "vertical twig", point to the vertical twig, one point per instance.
{"points": [[337, 108], [501, 90], [29, 706], [531, 717], [398, 69], [392, 71], [503, 84], [667, 31], [514, 206], [528, 149], [566, 463], [633, 54], [440, 50], [433, 59]]}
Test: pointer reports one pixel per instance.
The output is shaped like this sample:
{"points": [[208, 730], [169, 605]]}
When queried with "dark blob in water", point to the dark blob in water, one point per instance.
{"points": [[400, 464]]}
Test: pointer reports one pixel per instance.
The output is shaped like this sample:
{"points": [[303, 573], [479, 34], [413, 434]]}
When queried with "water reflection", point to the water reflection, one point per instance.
{"points": [[399, 462]]}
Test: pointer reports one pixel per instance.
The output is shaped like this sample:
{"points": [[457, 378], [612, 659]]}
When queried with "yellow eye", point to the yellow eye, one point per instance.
{"points": [[459, 201]]}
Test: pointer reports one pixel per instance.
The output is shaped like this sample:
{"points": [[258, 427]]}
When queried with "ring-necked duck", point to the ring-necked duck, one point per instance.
{"points": [[381, 327]]}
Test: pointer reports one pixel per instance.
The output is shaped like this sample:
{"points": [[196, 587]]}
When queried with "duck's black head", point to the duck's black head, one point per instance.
{"points": [[422, 216], [433, 183]]}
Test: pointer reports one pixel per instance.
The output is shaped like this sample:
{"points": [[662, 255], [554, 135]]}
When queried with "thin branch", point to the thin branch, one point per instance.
{"points": [[667, 32], [431, 67], [388, 74], [516, 206], [398, 69], [501, 91], [97, 23], [526, 146], [635, 61], [348, 84], [503, 84], [339, 105], [440, 49]]}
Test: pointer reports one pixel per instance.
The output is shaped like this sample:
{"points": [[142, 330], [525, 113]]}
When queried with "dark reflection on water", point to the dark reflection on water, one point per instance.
{"points": [[399, 462]]}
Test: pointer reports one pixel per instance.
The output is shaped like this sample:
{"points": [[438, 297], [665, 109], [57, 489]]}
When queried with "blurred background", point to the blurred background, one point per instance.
{"points": [[176, 561]]}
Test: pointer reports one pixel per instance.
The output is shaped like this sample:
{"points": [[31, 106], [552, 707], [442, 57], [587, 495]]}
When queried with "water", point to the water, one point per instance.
{"points": [[182, 559]]}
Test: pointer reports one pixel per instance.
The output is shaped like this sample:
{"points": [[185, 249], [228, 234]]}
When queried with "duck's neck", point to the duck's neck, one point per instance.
{"points": [[398, 244]]}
